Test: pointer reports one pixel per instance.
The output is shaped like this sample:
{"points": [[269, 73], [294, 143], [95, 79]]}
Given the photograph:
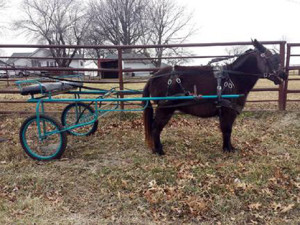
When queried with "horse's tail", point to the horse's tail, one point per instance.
{"points": [[148, 117]]}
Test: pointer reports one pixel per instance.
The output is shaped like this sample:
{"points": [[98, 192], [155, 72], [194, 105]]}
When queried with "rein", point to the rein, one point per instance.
{"points": [[173, 72]]}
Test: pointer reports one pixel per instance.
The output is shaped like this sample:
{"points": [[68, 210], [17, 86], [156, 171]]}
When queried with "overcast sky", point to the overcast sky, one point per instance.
{"points": [[240, 20], [217, 20]]}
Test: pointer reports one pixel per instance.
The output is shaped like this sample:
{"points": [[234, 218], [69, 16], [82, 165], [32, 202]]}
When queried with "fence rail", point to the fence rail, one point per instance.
{"points": [[288, 68], [120, 69]]}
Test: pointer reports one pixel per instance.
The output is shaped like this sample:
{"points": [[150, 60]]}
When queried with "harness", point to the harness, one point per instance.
{"points": [[174, 77], [221, 76], [221, 73]]}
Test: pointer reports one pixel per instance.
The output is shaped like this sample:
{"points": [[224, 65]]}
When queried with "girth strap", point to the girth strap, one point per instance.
{"points": [[221, 74]]}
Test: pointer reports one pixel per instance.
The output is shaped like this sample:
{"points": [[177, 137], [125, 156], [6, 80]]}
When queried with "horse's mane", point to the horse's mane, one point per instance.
{"points": [[186, 69], [207, 68], [240, 60], [194, 69]]}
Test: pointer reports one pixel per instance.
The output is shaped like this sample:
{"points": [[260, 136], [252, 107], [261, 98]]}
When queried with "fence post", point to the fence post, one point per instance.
{"points": [[287, 64], [120, 74], [282, 87]]}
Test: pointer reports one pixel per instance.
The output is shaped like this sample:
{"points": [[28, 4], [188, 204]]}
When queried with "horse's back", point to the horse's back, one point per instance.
{"points": [[199, 78]]}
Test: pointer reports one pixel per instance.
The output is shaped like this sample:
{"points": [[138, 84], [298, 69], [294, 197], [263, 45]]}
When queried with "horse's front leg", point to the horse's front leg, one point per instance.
{"points": [[162, 117], [227, 119]]}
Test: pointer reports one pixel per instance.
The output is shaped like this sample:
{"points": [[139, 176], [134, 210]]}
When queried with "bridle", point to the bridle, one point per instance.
{"points": [[271, 62]]}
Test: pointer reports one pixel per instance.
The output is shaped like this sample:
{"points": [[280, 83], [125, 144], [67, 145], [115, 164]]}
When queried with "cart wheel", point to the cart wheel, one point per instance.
{"points": [[51, 144], [79, 113]]}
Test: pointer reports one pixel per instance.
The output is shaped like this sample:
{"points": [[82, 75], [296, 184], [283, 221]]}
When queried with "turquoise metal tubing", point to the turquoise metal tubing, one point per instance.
{"points": [[102, 112], [39, 105], [79, 124], [138, 99]]}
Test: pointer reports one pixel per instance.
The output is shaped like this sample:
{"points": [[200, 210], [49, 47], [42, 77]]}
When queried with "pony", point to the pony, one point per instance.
{"points": [[239, 77]]}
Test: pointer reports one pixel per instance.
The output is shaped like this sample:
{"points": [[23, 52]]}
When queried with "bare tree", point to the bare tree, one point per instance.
{"points": [[56, 22], [234, 52], [3, 5], [129, 22], [118, 22], [169, 23], [93, 38]]}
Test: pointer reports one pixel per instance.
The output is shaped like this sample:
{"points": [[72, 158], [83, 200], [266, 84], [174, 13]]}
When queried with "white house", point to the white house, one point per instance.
{"points": [[22, 61], [3, 71]]}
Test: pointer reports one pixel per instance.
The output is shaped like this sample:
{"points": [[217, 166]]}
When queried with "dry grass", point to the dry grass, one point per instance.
{"points": [[112, 178]]}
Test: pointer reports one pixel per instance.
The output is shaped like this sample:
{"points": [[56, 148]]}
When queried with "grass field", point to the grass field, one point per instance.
{"points": [[113, 178]]}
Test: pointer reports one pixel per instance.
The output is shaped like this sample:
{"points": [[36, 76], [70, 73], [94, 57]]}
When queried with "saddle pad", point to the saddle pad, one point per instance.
{"points": [[49, 87]]}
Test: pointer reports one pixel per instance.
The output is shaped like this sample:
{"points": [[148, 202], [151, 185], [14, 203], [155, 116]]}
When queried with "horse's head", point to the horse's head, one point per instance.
{"points": [[268, 63]]}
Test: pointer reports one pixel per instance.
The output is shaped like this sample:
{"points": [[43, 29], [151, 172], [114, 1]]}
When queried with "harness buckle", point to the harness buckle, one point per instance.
{"points": [[266, 75], [263, 55]]}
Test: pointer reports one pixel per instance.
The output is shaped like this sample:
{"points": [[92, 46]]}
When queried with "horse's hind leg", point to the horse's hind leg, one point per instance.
{"points": [[227, 119], [162, 117]]}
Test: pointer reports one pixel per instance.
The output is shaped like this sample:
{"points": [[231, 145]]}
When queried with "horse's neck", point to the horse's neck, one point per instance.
{"points": [[245, 83]]}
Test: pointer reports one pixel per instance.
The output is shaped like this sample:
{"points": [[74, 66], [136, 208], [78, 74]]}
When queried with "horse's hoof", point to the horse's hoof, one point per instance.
{"points": [[229, 149], [159, 152]]}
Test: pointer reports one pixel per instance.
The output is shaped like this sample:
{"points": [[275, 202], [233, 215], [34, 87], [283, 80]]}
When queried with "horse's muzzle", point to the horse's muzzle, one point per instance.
{"points": [[279, 77], [282, 75]]}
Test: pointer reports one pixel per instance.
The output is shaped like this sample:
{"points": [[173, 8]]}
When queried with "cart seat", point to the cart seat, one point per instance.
{"points": [[43, 88]]}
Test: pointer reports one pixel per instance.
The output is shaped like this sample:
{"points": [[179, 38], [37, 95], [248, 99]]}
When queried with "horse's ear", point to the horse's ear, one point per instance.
{"points": [[258, 46]]}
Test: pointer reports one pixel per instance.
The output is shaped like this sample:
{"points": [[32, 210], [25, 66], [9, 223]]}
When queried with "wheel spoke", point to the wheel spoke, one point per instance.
{"points": [[43, 140]]}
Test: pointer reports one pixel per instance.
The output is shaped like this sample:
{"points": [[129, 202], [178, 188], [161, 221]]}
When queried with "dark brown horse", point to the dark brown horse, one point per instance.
{"points": [[236, 78]]}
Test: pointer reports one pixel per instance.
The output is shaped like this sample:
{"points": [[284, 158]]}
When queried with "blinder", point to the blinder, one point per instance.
{"points": [[273, 63]]}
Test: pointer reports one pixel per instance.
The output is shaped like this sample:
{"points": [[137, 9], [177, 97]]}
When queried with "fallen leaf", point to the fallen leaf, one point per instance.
{"points": [[254, 206], [287, 208], [276, 206]]}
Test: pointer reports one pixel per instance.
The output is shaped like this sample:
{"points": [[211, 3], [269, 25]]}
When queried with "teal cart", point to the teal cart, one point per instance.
{"points": [[45, 138]]}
